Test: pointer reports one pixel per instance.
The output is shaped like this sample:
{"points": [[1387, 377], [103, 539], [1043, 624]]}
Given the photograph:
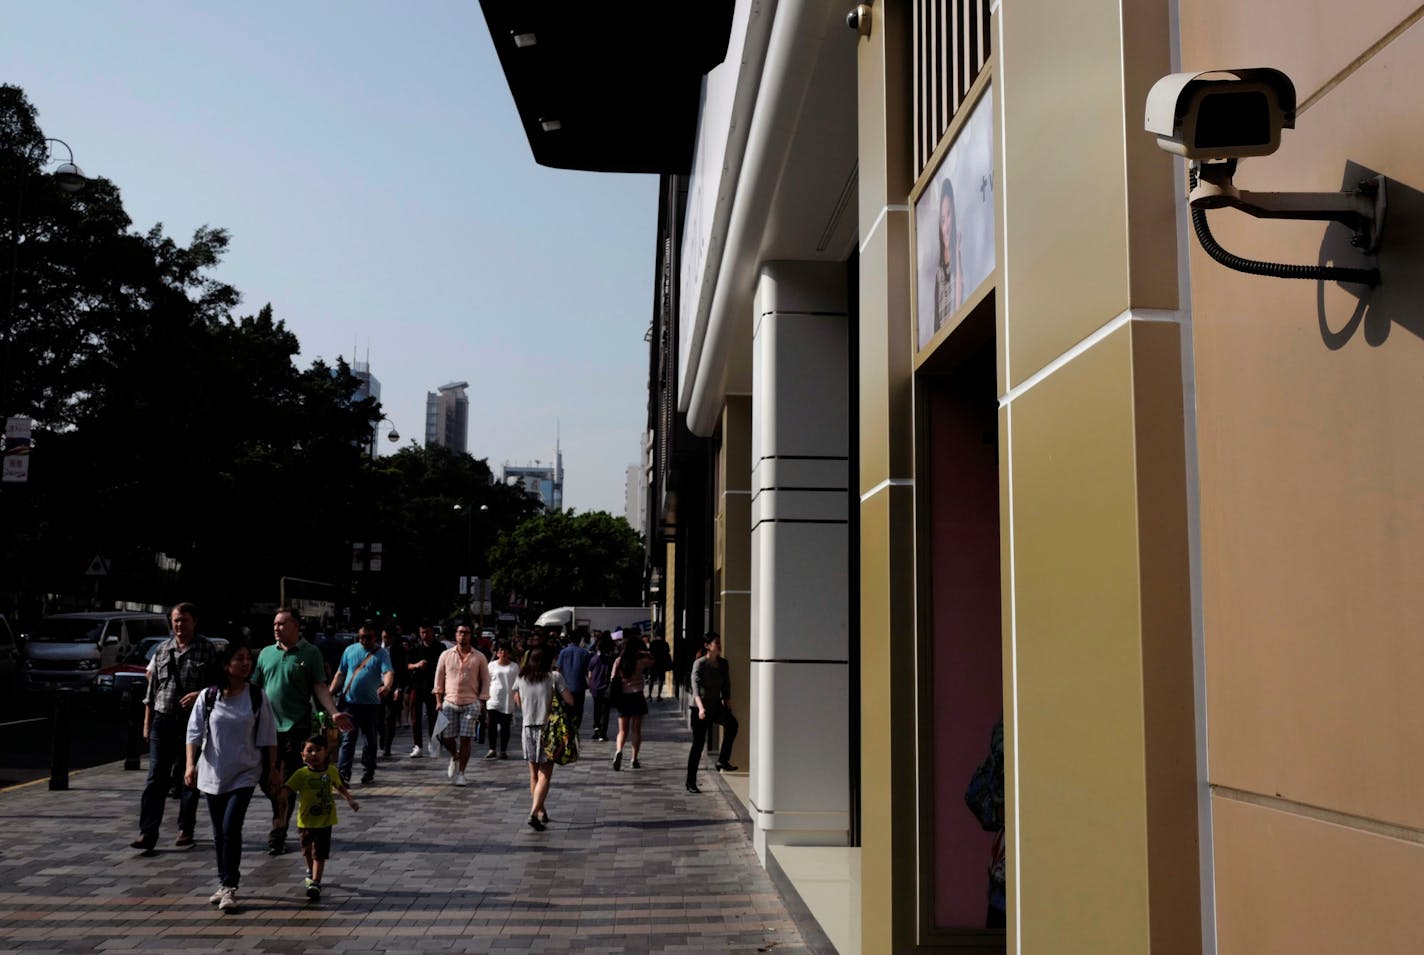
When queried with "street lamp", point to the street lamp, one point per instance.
{"points": [[70, 178], [469, 561]]}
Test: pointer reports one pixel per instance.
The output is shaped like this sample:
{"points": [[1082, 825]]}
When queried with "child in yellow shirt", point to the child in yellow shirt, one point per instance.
{"points": [[313, 785]]}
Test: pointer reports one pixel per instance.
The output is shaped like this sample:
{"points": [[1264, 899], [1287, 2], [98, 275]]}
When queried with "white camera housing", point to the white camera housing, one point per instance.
{"points": [[1221, 114]]}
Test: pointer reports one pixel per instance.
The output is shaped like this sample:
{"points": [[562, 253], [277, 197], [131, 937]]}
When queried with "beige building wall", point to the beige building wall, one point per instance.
{"points": [[886, 483], [1310, 405], [1103, 808]]}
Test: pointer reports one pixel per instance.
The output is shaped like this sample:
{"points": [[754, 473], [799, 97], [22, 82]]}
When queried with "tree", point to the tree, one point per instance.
{"points": [[179, 441], [561, 558], [428, 544]]}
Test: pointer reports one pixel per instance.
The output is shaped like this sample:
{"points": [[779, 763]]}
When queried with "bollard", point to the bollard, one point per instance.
{"points": [[132, 707], [59, 755]]}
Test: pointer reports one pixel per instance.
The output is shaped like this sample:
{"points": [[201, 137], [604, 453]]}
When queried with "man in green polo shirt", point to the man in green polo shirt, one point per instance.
{"points": [[292, 672]]}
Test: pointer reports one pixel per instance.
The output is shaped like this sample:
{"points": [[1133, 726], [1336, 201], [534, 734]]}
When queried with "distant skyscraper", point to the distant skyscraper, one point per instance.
{"points": [[370, 387], [542, 481], [635, 494], [447, 417]]}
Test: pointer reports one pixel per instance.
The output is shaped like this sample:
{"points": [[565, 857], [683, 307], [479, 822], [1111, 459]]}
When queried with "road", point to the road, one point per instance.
{"points": [[27, 734]]}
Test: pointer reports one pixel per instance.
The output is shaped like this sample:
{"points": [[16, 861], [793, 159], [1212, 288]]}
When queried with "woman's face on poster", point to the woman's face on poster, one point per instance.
{"points": [[946, 226]]}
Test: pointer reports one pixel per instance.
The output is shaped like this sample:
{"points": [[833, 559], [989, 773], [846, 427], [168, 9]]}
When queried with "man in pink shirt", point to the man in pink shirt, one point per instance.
{"points": [[462, 684]]}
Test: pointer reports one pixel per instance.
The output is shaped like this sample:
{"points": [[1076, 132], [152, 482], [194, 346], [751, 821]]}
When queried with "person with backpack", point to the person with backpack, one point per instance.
{"points": [[182, 667], [600, 680], [232, 745]]}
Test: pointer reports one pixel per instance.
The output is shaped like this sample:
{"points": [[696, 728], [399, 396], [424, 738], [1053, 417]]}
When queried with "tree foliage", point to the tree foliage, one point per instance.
{"points": [[181, 441], [563, 558]]}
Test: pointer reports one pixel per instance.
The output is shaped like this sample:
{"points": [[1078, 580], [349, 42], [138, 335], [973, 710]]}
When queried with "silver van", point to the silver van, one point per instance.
{"points": [[69, 649]]}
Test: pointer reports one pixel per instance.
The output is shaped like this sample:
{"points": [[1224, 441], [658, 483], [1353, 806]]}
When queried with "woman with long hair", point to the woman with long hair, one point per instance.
{"points": [[632, 704], [949, 268], [534, 690], [232, 742]]}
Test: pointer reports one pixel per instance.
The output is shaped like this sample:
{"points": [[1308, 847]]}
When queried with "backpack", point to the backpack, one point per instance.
{"points": [[210, 698]]}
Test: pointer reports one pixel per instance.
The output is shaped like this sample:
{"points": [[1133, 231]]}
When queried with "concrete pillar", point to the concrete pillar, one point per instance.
{"points": [[799, 720]]}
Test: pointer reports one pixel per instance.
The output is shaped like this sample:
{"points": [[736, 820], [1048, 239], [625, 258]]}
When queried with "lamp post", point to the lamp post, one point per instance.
{"points": [[69, 178], [469, 513]]}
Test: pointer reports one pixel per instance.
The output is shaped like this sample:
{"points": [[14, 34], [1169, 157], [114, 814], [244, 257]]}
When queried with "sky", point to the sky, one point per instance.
{"points": [[369, 163]]}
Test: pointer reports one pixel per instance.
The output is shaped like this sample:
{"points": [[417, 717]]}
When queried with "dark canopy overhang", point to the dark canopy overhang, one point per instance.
{"points": [[609, 87]]}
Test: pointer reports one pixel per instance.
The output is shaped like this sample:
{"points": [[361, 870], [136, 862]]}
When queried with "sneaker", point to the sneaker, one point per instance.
{"points": [[416, 752], [460, 779], [451, 769], [308, 882], [216, 897], [313, 890], [368, 778], [227, 902], [184, 840], [636, 764], [618, 761], [503, 755], [491, 755]]}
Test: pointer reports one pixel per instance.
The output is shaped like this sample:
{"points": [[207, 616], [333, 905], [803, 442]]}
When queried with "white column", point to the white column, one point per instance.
{"points": [[799, 718]]}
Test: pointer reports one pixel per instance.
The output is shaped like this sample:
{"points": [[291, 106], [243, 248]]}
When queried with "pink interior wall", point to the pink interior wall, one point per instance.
{"points": [[963, 516]]}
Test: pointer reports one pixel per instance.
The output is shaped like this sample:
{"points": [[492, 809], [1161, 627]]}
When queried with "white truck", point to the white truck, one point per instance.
{"points": [[570, 619]]}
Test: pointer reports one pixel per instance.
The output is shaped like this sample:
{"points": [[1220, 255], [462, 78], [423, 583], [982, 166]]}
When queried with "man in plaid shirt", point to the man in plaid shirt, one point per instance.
{"points": [[183, 667]]}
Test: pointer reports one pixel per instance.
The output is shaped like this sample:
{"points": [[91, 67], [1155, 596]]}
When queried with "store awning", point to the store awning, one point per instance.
{"points": [[609, 88]]}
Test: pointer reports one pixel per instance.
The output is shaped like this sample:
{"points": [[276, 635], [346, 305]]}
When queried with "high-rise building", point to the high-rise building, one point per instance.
{"points": [[447, 417], [370, 387], [542, 481], [635, 492]]}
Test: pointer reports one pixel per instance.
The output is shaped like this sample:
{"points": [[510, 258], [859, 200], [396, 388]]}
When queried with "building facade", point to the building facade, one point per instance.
{"points": [[447, 417], [957, 421], [544, 482], [370, 387]]}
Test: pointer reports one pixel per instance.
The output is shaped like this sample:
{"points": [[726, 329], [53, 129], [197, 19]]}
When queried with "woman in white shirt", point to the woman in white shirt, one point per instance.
{"points": [[533, 690], [499, 711], [232, 741]]}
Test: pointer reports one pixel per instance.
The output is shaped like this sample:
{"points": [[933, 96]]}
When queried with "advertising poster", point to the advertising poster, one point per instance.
{"points": [[954, 223]]}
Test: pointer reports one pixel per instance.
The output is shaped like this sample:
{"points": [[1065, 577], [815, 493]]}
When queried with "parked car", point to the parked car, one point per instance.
{"points": [[9, 654], [131, 672], [69, 649]]}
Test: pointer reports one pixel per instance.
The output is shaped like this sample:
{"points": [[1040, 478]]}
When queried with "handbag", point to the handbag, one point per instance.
{"points": [[560, 741]]}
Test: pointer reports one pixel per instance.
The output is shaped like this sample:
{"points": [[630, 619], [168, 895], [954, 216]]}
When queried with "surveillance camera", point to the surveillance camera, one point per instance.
{"points": [[1224, 114], [859, 19]]}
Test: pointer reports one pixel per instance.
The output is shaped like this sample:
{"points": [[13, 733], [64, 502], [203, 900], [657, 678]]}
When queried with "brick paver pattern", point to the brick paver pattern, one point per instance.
{"points": [[630, 863]]}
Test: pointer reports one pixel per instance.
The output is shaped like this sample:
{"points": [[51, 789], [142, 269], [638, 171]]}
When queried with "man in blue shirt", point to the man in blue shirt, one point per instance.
{"points": [[362, 680], [573, 664]]}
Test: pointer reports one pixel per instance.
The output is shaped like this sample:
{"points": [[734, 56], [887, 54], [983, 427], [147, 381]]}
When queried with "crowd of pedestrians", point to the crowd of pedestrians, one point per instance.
{"points": [[238, 721]]}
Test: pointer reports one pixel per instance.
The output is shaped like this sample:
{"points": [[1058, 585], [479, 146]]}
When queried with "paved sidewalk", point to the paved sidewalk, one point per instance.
{"points": [[630, 863]]}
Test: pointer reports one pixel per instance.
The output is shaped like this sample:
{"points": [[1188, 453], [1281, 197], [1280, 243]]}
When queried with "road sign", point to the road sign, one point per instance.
{"points": [[98, 567], [17, 450]]}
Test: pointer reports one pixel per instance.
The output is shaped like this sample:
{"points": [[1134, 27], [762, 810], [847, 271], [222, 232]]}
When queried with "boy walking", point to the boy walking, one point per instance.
{"points": [[313, 785]]}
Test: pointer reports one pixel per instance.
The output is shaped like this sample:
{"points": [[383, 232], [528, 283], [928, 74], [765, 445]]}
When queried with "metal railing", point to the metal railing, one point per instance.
{"points": [[951, 45]]}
